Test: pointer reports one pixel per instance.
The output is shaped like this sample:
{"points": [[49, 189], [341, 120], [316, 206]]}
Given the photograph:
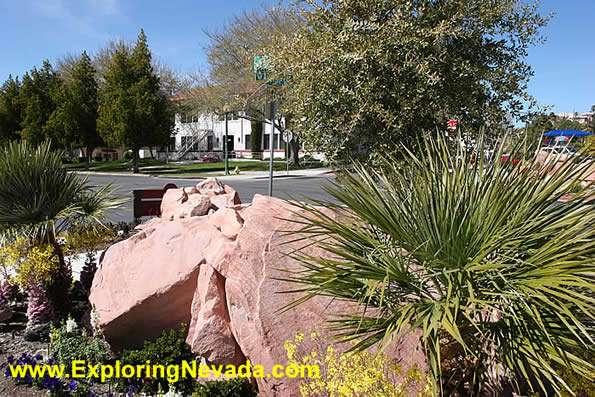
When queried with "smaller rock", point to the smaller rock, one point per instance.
{"points": [[225, 200], [228, 221], [197, 205], [211, 184], [191, 190], [6, 312], [209, 334], [36, 333]]}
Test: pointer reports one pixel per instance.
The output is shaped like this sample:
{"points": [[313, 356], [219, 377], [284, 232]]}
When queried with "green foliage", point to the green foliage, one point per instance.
{"points": [[127, 156], [39, 198], [37, 95], [74, 121], [169, 348], [566, 124], [133, 111], [256, 137], [10, 109], [478, 257], [68, 343], [539, 124], [378, 73], [239, 387]]}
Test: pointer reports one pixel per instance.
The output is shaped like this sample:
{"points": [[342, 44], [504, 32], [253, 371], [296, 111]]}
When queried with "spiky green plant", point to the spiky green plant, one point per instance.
{"points": [[478, 257], [39, 198]]}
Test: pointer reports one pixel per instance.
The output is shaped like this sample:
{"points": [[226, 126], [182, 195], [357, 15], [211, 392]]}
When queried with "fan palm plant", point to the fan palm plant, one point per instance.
{"points": [[476, 256], [39, 198]]}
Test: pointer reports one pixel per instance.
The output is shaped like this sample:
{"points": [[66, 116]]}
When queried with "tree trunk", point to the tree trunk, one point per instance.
{"points": [[135, 161], [294, 152], [58, 289], [88, 156]]}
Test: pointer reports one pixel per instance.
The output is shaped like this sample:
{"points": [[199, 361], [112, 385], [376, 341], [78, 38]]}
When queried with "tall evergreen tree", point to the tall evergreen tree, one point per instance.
{"points": [[133, 111], [75, 117], [10, 109], [37, 96]]}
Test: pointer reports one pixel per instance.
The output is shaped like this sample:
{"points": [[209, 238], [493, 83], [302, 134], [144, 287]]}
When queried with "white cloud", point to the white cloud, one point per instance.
{"points": [[106, 7], [81, 24]]}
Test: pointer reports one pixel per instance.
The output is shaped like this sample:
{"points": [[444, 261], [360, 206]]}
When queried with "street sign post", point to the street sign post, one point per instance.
{"points": [[271, 146], [287, 136]]}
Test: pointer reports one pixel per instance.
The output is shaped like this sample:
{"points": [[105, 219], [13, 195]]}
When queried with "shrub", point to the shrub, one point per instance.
{"points": [[169, 349], [352, 374], [127, 156], [68, 343], [32, 265], [88, 239], [239, 387], [479, 258]]}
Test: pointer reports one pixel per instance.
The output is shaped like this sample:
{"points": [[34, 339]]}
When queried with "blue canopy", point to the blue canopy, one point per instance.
{"points": [[567, 133]]}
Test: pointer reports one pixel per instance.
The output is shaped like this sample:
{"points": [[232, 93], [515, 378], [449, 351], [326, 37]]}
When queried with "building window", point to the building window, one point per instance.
{"points": [[186, 141], [247, 142], [188, 117], [266, 138], [210, 142]]}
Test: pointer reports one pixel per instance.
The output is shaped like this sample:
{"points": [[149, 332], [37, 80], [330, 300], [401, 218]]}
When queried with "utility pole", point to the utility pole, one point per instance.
{"points": [[225, 145], [271, 144]]}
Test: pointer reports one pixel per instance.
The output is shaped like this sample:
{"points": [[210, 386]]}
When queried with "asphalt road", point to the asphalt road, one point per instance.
{"points": [[283, 187]]}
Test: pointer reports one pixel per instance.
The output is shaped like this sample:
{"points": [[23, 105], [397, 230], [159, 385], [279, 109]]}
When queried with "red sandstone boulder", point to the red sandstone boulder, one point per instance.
{"points": [[253, 284], [146, 283], [221, 273]]}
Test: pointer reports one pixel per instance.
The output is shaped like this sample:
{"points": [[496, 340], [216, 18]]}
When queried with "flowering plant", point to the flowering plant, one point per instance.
{"points": [[352, 374]]}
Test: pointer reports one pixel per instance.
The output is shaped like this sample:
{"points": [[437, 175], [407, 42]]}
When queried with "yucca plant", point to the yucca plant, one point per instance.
{"points": [[477, 257], [39, 198]]}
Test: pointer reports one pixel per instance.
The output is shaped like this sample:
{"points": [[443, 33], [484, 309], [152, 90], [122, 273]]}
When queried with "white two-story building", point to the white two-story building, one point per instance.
{"points": [[196, 135]]}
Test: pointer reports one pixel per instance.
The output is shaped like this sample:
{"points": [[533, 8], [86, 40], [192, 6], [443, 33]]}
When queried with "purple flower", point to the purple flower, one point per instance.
{"points": [[72, 385], [130, 390]]}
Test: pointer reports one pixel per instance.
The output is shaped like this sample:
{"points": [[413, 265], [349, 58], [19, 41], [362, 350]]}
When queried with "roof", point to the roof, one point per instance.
{"points": [[193, 92], [567, 133]]}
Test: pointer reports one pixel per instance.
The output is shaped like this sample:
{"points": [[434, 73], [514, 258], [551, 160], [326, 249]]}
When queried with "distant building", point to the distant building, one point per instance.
{"points": [[196, 134], [583, 118]]}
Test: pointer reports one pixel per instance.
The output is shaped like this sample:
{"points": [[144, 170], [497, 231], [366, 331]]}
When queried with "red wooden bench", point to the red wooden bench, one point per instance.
{"points": [[147, 202]]}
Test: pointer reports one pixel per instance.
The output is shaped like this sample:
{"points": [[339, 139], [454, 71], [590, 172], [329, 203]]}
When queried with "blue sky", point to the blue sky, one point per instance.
{"points": [[34, 30]]}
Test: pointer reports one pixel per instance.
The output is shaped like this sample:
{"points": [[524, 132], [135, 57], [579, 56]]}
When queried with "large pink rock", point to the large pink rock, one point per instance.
{"points": [[146, 283], [253, 288], [221, 273]]}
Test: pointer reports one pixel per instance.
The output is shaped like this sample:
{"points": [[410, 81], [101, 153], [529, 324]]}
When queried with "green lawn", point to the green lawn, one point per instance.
{"points": [[159, 166]]}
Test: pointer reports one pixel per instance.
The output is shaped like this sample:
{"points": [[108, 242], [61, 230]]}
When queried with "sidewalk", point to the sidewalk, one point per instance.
{"points": [[244, 175]]}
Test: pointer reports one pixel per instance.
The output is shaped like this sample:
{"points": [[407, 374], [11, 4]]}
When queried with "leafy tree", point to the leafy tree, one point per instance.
{"points": [[478, 258], [231, 84], [567, 124], [540, 124], [133, 111], [37, 95], [367, 76], [169, 79], [76, 112], [10, 109]]}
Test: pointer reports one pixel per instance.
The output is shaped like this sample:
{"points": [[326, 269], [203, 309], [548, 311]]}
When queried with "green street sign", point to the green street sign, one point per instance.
{"points": [[262, 63]]}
